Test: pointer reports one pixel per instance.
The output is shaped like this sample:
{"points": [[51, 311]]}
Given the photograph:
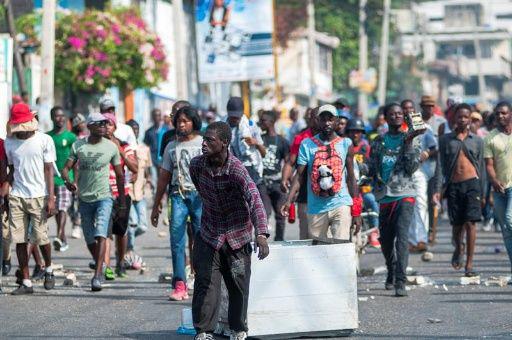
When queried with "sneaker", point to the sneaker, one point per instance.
{"points": [[76, 232], [179, 292], [57, 244], [488, 226], [38, 273], [23, 290], [109, 274], [237, 335], [96, 284], [204, 336], [121, 272], [49, 281], [400, 290], [64, 247], [373, 239], [6, 267]]}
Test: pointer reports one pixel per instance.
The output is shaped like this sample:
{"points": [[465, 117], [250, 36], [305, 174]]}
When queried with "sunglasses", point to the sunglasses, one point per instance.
{"points": [[100, 123]]}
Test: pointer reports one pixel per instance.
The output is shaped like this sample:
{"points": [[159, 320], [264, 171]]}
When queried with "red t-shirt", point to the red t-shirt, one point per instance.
{"points": [[130, 153], [294, 148], [2, 150]]}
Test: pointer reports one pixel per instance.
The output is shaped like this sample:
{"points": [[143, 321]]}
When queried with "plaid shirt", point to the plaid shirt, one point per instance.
{"points": [[231, 203]]}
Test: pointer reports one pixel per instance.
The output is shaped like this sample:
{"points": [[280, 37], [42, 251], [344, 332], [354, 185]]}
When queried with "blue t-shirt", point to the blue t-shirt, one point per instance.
{"points": [[392, 144], [318, 204]]}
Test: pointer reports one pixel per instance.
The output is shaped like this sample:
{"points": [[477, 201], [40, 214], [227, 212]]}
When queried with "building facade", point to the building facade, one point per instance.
{"points": [[464, 46]]}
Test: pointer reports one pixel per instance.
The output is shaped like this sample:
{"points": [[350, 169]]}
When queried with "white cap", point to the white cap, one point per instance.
{"points": [[328, 108]]}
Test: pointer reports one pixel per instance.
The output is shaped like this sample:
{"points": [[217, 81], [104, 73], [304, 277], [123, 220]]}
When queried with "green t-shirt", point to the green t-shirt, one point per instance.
{"points": [[94, 168], [63, 142], [498, 146]]}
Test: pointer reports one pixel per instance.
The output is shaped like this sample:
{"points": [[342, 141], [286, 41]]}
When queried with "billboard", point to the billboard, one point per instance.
{"points": [[234, 40]]}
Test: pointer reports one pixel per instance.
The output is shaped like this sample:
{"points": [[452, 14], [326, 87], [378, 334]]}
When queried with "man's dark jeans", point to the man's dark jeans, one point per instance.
{"points": [[274, 198], [211, 266], [394, 221]]}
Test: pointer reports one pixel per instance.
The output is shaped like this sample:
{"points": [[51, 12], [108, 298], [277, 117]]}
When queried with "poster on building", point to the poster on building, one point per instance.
{"points": [[234, 40]]}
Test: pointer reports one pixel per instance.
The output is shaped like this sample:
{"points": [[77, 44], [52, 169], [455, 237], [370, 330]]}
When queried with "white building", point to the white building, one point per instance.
{"points": [[447, 37]]}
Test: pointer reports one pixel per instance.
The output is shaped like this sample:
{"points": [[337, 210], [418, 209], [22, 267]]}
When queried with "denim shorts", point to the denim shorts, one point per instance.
{"points": [[95, 218]]}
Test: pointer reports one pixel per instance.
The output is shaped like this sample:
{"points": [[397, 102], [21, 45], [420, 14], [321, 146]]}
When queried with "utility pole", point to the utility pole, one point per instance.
{"points": [[311, 53], [179, 49], [384, 51], [481, 78], [362, 99], [18, 63], [47, 63]]}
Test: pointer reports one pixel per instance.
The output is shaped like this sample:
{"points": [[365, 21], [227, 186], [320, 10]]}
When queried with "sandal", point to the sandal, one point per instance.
{"points": [[471, 273], [457, 260]]}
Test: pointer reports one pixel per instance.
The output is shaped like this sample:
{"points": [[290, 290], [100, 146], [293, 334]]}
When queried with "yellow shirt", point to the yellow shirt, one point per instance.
{"points": [[498, 146]]}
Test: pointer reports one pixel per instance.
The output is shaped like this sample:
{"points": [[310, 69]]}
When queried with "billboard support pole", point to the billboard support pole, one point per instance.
{"points": [[274, 53], [246, 97]]}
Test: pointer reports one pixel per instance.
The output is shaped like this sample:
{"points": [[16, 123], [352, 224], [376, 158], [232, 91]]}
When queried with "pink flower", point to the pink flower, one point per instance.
{"points": [[103, 72], [115, 28], [76, 42], [100, 56], [157, 54], [117, 40], [90, 71], [101, 33]]}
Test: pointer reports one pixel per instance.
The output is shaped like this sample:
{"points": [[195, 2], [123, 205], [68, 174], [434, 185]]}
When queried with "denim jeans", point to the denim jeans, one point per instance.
{"points": [[138, 222], [418, 231], [370, 203], [95, 218], [503, 213], [395, 219], [181, 208]]}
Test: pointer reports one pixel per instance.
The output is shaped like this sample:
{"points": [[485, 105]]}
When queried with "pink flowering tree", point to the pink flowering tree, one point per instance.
{"points": [[96, 50]]}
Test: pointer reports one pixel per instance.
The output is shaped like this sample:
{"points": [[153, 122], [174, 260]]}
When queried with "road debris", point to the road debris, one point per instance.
{"points": [[432, 320], [475, 280], [70, 280], [427, 256], [500, 281]]}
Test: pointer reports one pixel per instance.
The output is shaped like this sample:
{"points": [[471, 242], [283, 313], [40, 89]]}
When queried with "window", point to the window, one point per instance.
{"points": [[324, 61], [463, 15]]}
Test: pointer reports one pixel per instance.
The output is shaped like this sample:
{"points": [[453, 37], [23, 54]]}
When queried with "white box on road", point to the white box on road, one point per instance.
{"points": [[301, 289]]}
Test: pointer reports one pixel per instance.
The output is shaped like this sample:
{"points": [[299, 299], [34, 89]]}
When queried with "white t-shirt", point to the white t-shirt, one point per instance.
{"points": [[125, 134], [28, 157]]}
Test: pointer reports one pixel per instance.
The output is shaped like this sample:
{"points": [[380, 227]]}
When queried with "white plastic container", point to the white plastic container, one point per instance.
{"points": [[301, 289]]}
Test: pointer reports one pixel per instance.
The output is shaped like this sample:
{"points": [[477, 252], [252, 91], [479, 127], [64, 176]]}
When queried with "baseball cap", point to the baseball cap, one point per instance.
{"points": [[327, 108], [355, 124], [106, 103], [95, 117], [235, 107], [20, 113], [78, 119]]}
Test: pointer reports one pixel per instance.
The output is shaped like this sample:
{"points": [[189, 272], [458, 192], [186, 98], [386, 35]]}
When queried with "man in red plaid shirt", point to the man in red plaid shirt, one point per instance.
{"points": [[232, 208]]}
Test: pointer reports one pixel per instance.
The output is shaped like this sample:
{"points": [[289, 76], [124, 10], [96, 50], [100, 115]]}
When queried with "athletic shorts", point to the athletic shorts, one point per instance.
{"points": [[464, 201], [118, 225], [64, 198]]}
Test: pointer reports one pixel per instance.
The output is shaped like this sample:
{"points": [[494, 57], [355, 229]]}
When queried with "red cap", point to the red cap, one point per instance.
{"points": [[20, 113]]}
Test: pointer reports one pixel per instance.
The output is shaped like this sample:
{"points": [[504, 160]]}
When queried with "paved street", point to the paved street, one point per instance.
{"points": [[137, 307]]}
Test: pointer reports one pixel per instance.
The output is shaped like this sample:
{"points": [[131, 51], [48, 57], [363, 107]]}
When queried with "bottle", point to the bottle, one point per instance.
{"points": [[291, 213]]}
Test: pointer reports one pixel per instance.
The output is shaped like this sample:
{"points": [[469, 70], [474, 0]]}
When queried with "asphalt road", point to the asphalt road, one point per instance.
{"points": [[137, 307]]}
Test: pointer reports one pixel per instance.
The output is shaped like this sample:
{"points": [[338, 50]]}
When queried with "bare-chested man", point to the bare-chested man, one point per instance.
{"points": [[463, 170]]}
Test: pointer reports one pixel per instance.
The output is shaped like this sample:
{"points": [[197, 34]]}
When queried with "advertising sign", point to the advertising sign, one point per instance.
{"points": [[234, 40]]}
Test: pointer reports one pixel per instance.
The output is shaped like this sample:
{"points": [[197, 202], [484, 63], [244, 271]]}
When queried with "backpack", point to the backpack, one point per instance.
{"points": [[327, 169]]}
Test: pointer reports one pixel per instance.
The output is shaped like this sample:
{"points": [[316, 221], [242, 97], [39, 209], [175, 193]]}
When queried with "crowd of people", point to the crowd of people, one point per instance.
{"points": [[224, 178]]}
